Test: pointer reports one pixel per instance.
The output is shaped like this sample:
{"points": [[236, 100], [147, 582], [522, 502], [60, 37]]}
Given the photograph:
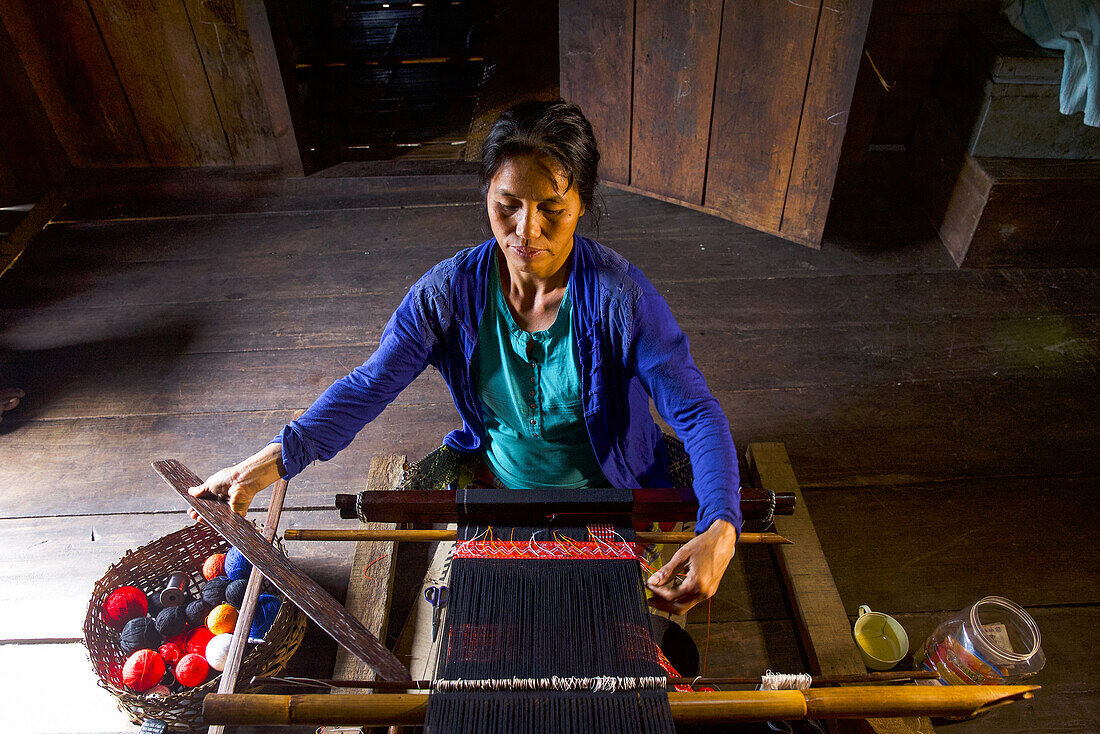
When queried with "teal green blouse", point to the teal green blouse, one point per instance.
{"points": [[530, 390]]}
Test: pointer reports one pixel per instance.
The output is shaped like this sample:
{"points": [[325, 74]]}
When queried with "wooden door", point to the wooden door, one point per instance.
{"points": [[733, 107]]}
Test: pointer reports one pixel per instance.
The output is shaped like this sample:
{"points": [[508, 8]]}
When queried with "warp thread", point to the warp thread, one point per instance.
{"points": [[538, 620]]}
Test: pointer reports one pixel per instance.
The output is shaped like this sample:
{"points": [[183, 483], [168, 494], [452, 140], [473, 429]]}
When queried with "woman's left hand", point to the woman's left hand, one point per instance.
{"points": [[694, 572]]}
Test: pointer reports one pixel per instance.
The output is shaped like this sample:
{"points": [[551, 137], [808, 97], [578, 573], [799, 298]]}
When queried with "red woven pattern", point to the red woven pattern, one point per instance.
{"points": [[606, 533], [534, 549]]}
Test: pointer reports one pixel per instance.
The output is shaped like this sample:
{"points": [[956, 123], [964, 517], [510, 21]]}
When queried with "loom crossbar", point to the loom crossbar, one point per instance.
{"points": [[647, 506], [853, 702]]}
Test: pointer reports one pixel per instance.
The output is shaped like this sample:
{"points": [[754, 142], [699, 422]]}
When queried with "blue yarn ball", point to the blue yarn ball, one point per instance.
{"points": [[266, 608], [236, 565]]}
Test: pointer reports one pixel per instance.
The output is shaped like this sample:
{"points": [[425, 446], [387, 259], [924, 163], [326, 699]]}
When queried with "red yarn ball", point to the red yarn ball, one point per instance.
{"points": [[170, 652], [143, 670], [192, 670], [196, 641], [213, 566], [123, 604]]}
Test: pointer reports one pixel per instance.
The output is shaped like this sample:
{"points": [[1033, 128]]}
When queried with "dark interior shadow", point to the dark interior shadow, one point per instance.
{"points": [[112, 365], [876, 208]]}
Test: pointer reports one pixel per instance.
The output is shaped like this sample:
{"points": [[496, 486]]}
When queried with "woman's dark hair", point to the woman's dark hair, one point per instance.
{"points": [[556, 130]]}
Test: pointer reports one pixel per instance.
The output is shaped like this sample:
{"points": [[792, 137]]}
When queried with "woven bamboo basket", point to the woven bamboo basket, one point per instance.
{"points": [[147, 568]]}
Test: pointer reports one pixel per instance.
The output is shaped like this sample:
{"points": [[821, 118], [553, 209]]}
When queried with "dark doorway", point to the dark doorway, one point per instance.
{"points": [[379, 80]]}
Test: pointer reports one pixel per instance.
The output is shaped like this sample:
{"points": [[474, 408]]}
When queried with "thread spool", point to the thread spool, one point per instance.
{"points": [[174, 594]]}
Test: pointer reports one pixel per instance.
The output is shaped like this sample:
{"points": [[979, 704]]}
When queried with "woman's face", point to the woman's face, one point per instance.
{"points": [[533, 214]]}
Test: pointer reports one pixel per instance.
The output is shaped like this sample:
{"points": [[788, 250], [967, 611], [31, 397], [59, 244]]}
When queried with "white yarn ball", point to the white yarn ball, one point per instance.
{"points": [[217, 650]]}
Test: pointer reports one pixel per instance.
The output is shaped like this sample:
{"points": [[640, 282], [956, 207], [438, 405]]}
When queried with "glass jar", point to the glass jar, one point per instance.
{"points": [[993, 642]]}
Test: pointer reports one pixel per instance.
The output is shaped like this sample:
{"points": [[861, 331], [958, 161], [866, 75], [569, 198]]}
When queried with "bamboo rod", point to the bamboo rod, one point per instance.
{"points": [[407, 536], [251, 597], [893, 676], [855, 702]]}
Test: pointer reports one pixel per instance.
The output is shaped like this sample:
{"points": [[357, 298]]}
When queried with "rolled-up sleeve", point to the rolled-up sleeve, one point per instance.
{"points": [[663, 363], [353, 401]]}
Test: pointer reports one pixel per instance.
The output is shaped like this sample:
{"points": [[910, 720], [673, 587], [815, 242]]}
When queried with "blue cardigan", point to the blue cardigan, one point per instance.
{"points": [[629, 348]]}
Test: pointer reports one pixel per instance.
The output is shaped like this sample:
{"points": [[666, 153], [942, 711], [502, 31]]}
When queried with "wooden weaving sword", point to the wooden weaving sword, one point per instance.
{"points": [[299, 588]]}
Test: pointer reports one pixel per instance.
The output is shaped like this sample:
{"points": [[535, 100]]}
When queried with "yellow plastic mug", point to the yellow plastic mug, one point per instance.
{"points": [[881, 639]]}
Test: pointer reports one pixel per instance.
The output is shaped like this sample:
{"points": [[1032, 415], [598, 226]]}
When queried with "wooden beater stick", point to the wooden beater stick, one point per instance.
{"points": [[251, 597], [434, 535]]}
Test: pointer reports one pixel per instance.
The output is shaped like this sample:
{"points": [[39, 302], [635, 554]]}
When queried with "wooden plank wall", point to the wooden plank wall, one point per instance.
{"points": [[750, 155], [735, 109], [604, 58], [676, 55], [144, 83]]}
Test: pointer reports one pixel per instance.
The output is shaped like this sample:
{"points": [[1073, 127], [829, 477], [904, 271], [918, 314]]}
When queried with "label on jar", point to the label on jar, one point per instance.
{"points": [[999, 634]]}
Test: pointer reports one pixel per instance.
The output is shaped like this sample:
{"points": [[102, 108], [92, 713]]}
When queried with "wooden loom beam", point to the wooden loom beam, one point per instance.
{"points": [[639, 506], [370, 592], [818, 609], [854, 702], [366, 533]]}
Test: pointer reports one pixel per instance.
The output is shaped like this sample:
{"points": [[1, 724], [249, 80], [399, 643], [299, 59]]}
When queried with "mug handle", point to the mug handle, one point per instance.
{"points": [[863, 609]]}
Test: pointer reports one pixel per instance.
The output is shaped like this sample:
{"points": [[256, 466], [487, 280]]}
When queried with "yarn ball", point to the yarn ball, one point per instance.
{"points": [[196, 613], [236, 565], [213, 593], [234, 593], [143, 670], [213, 566], [154, 605], [139, 634], [192, 670], [217, 650], [158, 691], [170, 652], [196, 641], [222, 619], [171, 621], [266, 608], [123, 604]]}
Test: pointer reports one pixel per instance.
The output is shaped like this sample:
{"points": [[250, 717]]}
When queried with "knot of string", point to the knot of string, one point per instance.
{"points": [[785, 681]]}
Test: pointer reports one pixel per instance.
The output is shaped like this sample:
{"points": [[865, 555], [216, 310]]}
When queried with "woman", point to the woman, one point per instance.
{"points": [[551, 346]]}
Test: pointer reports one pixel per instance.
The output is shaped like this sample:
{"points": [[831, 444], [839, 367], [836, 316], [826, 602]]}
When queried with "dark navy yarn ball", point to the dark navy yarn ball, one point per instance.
{"points": [[236, 565], [196, 612], [139, 634], [171, 621], [266, 609], [234, 593], [213, 593]]}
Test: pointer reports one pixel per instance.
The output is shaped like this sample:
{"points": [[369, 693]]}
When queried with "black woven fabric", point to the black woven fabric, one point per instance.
{"points": [[538, 618]]}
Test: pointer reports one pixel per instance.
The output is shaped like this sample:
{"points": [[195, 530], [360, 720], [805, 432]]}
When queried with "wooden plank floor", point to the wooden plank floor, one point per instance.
{"points": [[942, 423]]}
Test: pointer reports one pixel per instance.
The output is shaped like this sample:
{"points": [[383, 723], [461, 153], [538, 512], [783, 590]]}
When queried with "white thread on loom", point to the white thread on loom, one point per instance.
{"points": [[598, 684], [785, 681]]}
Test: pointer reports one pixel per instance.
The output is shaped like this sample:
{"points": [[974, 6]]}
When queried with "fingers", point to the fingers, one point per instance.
{"points": [[677, 598], [668, 571], [671, 592]]}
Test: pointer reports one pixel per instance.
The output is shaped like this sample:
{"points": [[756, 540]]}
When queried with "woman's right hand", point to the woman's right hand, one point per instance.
{"points": [[238, 484]]}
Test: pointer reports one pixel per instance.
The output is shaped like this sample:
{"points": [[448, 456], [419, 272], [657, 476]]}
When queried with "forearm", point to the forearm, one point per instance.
{"points": [[262, 469], [239, 483]]}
